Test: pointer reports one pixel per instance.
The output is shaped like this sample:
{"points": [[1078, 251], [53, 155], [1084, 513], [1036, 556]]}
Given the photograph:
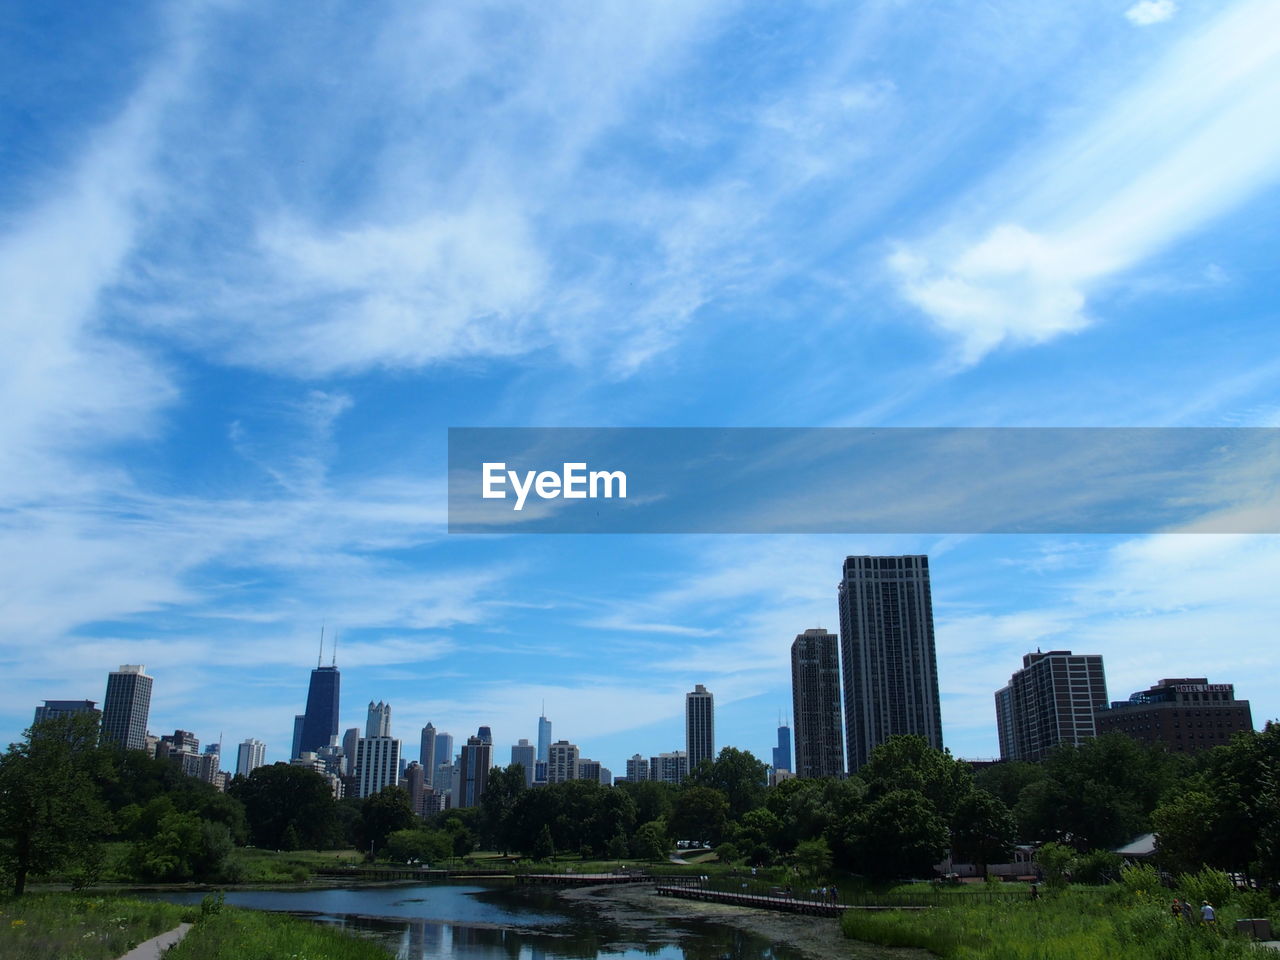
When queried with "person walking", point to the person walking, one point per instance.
{"points": [[1176, 909], [1207, 914]]}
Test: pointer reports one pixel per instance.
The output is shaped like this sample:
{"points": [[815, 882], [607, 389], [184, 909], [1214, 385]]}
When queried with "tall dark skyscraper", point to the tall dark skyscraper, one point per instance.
{"points": [[889, 663], [125, 707], [477, 758], [699, 726], [782, 752], [320, 721], [427, 754], [815, 696]]}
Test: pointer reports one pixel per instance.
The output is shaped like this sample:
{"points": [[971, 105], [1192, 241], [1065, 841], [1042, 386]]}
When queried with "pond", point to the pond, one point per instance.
{"points": [[474, 922]]}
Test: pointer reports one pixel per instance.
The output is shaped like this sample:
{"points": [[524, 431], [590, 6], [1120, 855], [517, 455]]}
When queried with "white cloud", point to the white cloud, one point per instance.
{"points": [[1146, 12], [1186, 143]]}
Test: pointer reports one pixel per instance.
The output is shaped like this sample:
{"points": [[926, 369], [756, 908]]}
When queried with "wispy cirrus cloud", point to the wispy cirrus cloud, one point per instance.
{"points": [[1184, 144]]}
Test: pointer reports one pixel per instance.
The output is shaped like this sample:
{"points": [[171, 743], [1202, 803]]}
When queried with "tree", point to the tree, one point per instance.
{"points": [[900, 835], [738, 775], [1055, 861], [50, 809], [983, 830], [497, 806], [424, 846], [283, 797], [544, 847], [651, 840], [907, 762], [183, 847], [700, 814], [383, 814], [1185, 825], [813, 857]]}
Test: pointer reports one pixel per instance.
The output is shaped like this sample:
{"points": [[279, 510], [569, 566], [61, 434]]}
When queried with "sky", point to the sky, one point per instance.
{"points": [[255, 264]]}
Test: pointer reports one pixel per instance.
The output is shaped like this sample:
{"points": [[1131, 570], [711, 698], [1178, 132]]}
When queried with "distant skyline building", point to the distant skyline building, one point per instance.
{"points": [[562, 764], [299, 721], [377, 764], [815, 704], [888, 657], [486, 735], [415, 782], [320, 719], [1053, 699], [473, 772], [250, 755], [52, 709], [349, 741], [637, 768], [782, 751], [379, 721], [444, 751], [126, 706], [427, 754], [544, 737], [699, 726], [670, 767], [525, 754], [1183, 715]]}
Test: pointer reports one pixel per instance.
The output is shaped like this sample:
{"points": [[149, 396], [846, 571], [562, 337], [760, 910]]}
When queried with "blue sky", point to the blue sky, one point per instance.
{"points": [[255, 264]]}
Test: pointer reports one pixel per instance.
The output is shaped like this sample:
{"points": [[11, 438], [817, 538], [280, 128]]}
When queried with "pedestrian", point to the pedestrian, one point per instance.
{"points": [[1176, 909], [1207, 914], [1035, 892], [1188, 914]]}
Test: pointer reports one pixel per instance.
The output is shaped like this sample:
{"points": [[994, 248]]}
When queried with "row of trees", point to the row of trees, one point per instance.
{"points": [[62, 795]]}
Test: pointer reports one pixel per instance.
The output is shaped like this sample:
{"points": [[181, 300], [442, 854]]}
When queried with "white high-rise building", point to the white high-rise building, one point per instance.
{"points": [[670, 767], [251, 755], [377, 764], [427, 754], [699, 726], [379, 722], [525, 754], [637, 768]]}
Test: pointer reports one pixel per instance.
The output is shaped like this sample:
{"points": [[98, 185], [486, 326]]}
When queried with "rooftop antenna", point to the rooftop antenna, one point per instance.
{"points": [[320, 655], [335, 649]]}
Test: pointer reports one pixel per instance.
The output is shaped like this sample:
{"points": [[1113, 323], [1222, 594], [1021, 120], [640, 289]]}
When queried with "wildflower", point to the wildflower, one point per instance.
{"points": [[17, 923]]}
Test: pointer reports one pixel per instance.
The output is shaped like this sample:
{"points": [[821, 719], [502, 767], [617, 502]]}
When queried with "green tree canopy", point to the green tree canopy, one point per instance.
{"points": [[281, 797], [738, 775]]}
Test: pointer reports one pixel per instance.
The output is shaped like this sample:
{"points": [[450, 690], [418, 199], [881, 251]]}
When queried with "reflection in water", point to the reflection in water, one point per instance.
{"points": [[446, 922]]}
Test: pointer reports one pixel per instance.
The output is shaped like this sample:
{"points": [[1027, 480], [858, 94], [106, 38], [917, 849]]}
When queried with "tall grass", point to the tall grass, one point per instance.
{"points": [[1077, 924], [254, 935], [59, 926]]}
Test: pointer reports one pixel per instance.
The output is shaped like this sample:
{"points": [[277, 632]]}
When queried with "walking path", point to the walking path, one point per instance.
{"points": [[154, 948]]}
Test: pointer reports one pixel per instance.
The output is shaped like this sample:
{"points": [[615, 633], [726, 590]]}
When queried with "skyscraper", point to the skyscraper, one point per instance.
{"points": [[525, 754], [544, 737], [427, 754], [379, 722], [377, 764], [782, 752], [815, 697], [320, 721], [349, 741], [1053, 699], [444, 753], [637, 768], [670, 767], [699, 726], [126, 706], [473, 774], [249, 756], [562, 762], [486, 735], [889, 663], [299, 719]]}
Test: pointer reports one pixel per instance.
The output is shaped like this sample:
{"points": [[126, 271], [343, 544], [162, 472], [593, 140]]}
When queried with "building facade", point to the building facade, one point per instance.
{"points": [[52, 709], [889, 664], [815, 702], [320, 720], [1053, 699], [473, 771], [377, 764], [126, 707], [544, 739], [637, 768], [250, 755], [699, 725], [427, 754], [525, 754], [670, 767], [378, 723], [562, 762], [1183, 715], [782, 752]]}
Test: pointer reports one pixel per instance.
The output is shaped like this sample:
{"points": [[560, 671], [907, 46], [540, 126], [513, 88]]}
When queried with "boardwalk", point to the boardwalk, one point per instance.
{"points": [[582, 879], [820, 908]]}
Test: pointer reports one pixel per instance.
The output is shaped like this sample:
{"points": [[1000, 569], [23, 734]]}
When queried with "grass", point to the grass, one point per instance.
{"points": [[1085, 923], [254, 935], [292, 866], [72, 927]]}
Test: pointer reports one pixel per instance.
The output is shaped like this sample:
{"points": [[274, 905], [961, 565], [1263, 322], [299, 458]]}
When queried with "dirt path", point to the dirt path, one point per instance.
{"points": [[815, 937]]}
